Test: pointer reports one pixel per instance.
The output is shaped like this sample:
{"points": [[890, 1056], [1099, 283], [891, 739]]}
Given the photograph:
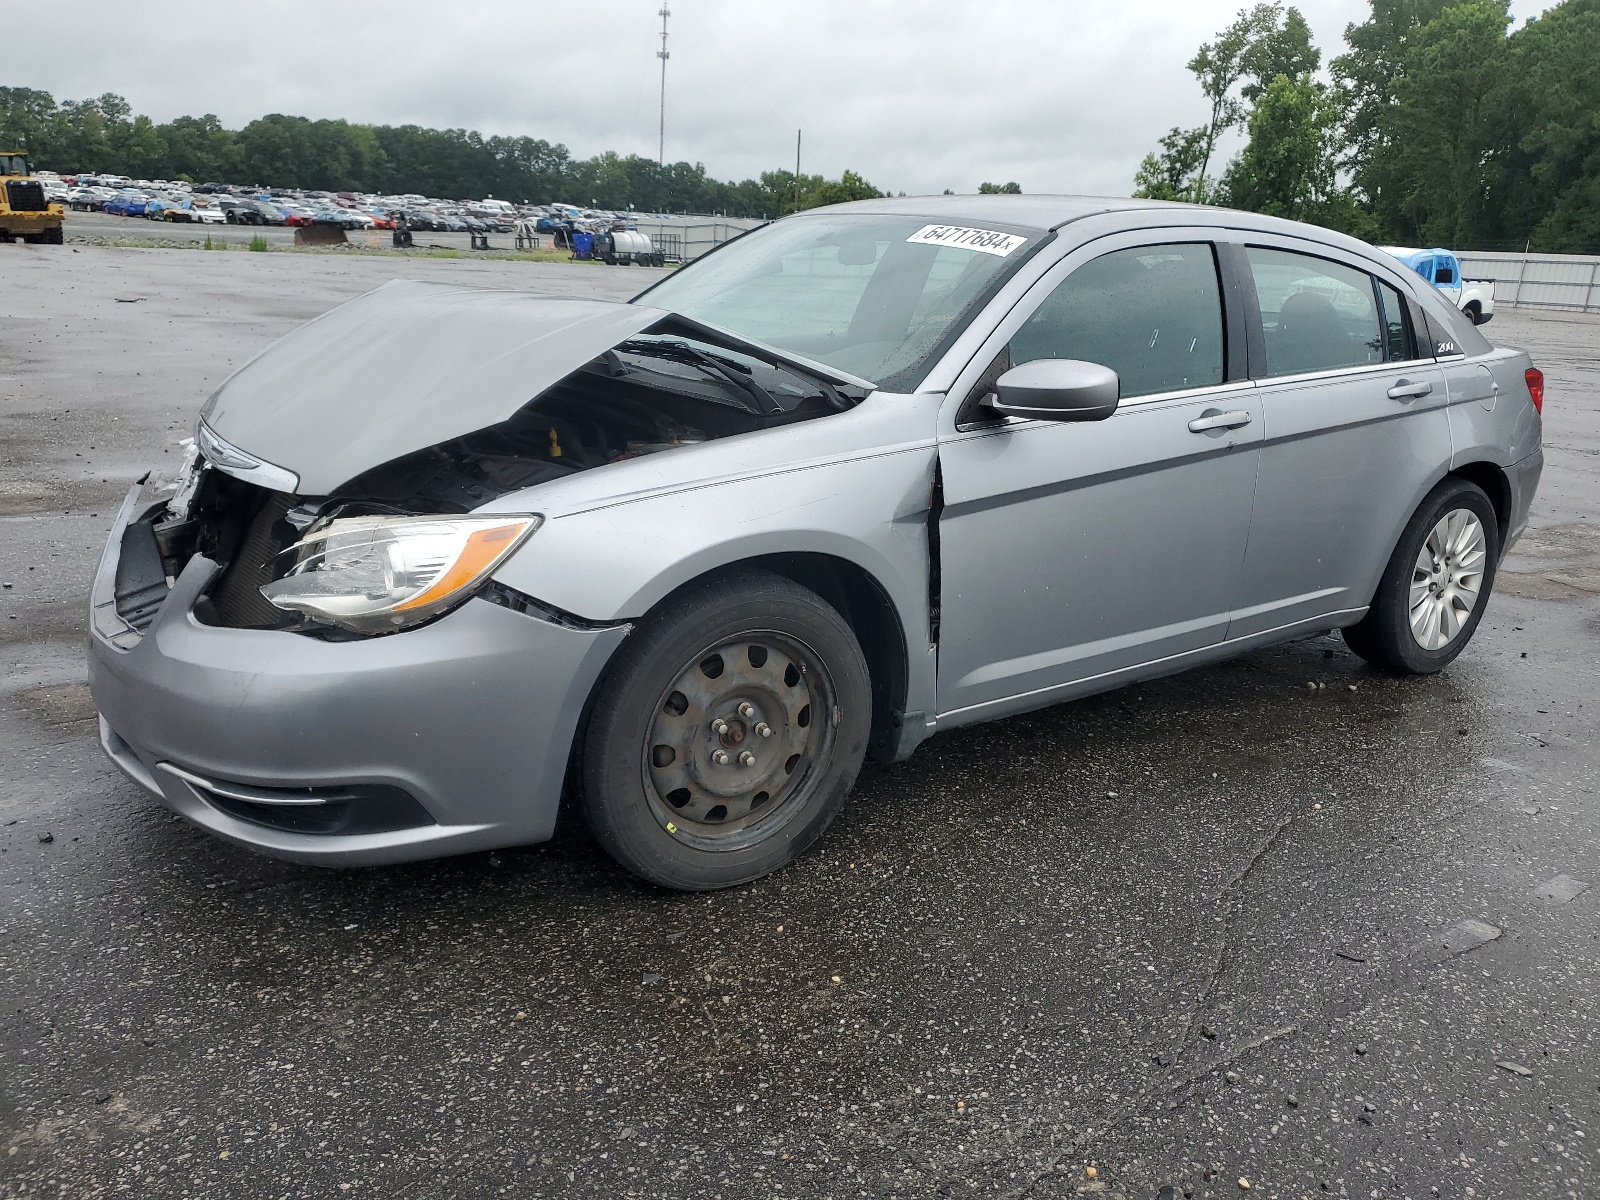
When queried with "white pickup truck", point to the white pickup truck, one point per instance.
{"points": [[1474, 297]]}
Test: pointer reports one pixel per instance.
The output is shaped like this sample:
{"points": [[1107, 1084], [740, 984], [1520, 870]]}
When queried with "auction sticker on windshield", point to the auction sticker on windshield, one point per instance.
{"points": [[986, 240]]}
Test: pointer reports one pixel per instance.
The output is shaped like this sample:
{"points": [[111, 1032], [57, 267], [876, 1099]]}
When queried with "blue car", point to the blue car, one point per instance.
{"points": [[126, 206]]}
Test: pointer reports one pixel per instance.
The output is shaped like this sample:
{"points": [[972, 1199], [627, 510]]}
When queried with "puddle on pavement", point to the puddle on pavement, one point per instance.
{"points": [[59, 705], [1559, 563]]}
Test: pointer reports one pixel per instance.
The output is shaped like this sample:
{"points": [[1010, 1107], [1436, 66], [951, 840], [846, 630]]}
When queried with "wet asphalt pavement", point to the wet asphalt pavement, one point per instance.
{"points": [[1283, 922]]}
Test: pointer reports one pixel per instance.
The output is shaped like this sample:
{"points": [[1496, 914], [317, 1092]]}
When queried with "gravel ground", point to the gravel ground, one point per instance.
{"points": [[1217, 930]]}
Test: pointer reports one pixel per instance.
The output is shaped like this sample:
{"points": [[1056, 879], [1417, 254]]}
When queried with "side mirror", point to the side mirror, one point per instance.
{"points": [[1057, 389]]}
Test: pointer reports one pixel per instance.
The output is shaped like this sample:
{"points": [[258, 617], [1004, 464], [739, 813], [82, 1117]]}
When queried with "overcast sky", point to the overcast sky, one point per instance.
{"points": [[1059, 95]]}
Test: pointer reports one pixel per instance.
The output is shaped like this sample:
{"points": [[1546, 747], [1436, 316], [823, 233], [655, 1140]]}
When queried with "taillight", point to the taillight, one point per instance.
{"points": [[1535, 378]]}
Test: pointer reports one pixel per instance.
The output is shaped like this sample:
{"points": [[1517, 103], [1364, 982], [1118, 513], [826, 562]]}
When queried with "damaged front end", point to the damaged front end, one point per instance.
{"points": [[361, 520]]}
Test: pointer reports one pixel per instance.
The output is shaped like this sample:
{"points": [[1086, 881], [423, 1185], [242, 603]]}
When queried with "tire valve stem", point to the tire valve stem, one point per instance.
{"points": [[747, 759]]}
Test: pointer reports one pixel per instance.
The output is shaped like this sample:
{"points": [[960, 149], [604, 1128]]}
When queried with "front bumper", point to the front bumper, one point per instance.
{"points": [[472, 716]]}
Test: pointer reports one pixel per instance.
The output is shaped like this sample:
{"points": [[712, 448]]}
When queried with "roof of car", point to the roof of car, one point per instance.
{"points": [[1412, 256], [1053, 212], [1038, 212]]}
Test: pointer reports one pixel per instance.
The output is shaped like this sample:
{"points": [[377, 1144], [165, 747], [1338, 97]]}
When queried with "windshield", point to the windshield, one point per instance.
{"points": [[872, 295], [13, 164]]}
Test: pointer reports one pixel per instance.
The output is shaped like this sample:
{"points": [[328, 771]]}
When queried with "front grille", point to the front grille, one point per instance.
{"points": [[26, 195]]}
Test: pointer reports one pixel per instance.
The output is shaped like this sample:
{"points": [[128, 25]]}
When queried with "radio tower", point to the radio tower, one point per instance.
{"points": [[663, 55]]}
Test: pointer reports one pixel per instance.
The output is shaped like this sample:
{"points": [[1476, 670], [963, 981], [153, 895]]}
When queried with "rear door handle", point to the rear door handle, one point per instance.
{"points": [[1219, 420], [1406, 390]]}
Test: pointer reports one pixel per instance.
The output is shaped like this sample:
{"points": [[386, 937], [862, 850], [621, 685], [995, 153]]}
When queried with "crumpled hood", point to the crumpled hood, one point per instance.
{"points": [[404, 367]]}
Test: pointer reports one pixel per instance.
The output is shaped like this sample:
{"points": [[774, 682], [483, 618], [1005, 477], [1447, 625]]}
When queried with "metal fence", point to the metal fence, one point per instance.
{"points": [[1570, 281], [693, 240]]}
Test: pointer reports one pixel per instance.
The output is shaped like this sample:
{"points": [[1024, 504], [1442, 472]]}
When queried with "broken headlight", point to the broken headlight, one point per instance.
{"points": [[377, 574]]}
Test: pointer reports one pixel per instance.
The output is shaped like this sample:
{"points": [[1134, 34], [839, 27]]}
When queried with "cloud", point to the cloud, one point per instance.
{"points": [[1060, 96]]}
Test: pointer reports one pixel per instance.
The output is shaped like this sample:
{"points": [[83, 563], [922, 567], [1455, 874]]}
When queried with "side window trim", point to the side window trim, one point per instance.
{"points": [[1239, 288], [1383, 322], [1423, 331]]}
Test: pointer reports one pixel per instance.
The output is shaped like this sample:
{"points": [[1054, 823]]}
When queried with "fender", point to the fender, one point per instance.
{"points": [[616, 562]]}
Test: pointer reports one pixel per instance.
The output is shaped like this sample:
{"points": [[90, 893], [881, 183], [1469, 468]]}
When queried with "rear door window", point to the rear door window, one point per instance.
{"points": [[1316, 315], [1153, 314]]}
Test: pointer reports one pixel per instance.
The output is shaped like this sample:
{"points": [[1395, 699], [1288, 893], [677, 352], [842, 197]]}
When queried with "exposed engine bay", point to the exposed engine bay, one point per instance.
{"points": [[652, 393]]}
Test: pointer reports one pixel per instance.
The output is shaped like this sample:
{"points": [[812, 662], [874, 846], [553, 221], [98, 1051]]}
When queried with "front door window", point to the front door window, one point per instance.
{"points": [[1153, 314]]}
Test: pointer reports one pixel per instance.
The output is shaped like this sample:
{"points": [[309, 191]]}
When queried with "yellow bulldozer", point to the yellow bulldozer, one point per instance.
{"points": [[24, 211]]}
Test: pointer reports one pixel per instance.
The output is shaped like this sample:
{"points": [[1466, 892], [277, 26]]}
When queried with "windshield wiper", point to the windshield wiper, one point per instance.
{"points": [[741, 377]]}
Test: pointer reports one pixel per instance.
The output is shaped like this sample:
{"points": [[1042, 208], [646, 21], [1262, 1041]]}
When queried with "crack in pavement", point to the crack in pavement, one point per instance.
{"points": [[1145, 1100], [1219, 960]]}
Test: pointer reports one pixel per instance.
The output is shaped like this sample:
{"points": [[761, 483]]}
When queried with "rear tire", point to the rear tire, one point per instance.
{"points": [[1436, 586], [1471, 313], [726, 734]]}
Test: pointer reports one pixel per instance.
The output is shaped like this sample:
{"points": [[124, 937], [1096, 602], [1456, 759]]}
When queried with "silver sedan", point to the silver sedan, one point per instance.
{"points": [[860, 476]]}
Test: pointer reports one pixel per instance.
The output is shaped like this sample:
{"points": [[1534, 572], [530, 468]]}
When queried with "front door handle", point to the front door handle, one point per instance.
{"points": [[1406, 390], [1219, 420]]}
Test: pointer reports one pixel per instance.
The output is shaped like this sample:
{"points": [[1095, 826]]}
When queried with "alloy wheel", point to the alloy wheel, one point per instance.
{"points": [[1447, 578]]}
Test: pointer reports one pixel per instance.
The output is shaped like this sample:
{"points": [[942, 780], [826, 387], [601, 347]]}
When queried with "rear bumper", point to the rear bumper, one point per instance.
{"points": [[471, 716], [1524, 478]]}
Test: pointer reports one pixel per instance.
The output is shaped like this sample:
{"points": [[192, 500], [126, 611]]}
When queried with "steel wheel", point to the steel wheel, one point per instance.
{"points": [[1447, 579], [734, 738]]}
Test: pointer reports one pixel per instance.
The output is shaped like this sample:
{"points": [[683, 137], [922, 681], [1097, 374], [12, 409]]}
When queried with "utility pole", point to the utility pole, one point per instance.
{"points": [[663, 56], [797, 134]]}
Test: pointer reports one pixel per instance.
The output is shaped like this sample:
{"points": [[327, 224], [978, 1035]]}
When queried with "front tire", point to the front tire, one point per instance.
{"points": [[1436, 585], [726, 734]]}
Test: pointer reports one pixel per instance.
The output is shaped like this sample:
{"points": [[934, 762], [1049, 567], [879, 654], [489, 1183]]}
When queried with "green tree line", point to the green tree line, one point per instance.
{"points": [[1439, 125], [104, 135]]}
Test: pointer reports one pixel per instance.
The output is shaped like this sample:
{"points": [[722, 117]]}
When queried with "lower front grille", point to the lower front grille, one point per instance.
{"points": [[325, 811]]}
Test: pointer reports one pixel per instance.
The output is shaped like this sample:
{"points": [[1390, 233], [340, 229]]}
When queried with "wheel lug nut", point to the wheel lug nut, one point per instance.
{"points": [[719, 726], [720, 758], [747, 759], [747, 710], [764, 729]]}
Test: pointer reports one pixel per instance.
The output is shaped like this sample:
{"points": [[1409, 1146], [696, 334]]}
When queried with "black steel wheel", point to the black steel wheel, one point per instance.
{"points": [[726, 734]]}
